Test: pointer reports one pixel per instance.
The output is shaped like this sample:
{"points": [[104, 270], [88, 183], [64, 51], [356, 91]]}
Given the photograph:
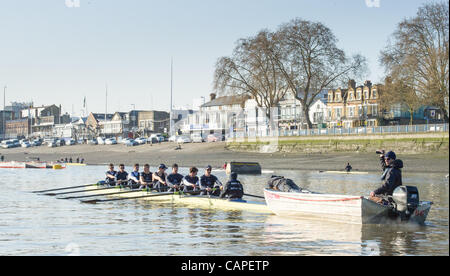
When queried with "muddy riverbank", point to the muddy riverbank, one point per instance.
{"points": [[216, 154]]}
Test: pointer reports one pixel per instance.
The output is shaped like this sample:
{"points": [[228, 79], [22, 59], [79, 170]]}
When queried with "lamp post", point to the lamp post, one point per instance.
{"points": [[4, 107]]}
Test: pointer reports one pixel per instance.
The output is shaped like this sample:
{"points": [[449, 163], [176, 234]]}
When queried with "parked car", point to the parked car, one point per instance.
{"points": [[70, 142], [141, 140], [131, 143], [100, 141], [60, 143], [37, 142], [25, 144], [158, 137], [214, 138], [7, 144], [197, 138], [125, 140], [110, 141], [92, 142], [52, 144], [184, 139]]}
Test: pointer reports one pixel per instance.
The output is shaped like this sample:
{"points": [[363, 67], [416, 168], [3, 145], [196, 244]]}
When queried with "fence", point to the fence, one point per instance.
{"points": [[427, 128]]}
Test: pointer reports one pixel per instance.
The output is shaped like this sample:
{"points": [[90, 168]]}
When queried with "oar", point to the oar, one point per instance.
{"points": [[116, 193], [94, 201], [66, 188], [83, 191], [254, 196]]}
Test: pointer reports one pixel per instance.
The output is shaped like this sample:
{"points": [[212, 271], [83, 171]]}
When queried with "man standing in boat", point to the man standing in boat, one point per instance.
{"points": [[233, 188], [174, 179], [392, 176], [210, 184]]}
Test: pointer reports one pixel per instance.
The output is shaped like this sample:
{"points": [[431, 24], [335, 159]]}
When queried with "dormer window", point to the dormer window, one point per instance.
{"points": [[366, 95], [330, 97], [374, 94], [358, 95], [338, 97]]}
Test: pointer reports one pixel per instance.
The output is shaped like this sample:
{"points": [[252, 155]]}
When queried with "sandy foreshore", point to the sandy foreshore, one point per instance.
{"points": [[216, 154]]}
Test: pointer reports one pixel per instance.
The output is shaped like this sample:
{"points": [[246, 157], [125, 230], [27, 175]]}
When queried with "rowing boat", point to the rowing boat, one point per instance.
{"points": [[344, 172], [191, 200], [75, 164], [338, 208]]}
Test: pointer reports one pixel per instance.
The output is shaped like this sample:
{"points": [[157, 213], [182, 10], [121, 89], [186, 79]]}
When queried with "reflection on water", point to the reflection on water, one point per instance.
{"points": [[39, 225]]}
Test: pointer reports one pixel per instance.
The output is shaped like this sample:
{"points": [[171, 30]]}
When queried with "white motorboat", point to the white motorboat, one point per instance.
{"points": [[403, 206]]}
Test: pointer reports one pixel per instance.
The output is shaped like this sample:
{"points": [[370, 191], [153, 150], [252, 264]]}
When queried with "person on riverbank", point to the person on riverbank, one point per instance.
{"points": [[191, 181], [391, 178], [146, 178], [348, 168], [233, 189], [279, 183], [159, 179], [135, 177], [210, 184], [174, 179], [122, 176], [111, 175]]}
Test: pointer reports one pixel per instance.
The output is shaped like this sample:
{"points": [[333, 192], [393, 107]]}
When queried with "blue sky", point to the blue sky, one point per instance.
{"points": [[51, 53]]}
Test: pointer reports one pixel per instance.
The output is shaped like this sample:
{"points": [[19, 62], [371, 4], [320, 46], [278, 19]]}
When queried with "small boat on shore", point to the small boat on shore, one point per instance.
{"points": [[183, 199], [349, 209], [30, 165]]}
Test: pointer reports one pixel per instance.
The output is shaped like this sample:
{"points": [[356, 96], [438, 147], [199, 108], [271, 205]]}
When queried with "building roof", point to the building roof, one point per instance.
{"points": [[227, 100], [101, 116]]}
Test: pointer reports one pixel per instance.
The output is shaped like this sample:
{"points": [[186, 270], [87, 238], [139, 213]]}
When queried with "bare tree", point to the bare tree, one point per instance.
{"points": [[418, 55], [251, 70], [310, 61]]}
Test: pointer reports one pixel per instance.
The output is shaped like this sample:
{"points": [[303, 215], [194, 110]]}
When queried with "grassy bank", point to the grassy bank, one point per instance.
{"points": [[345, 144]]}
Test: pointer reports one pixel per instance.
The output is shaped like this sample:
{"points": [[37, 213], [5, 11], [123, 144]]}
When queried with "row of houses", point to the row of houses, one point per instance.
{"points": [[27, 121], [354, 106]]}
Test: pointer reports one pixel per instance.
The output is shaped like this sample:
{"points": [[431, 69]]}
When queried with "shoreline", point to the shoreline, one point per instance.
{"points": [[216, 154]]}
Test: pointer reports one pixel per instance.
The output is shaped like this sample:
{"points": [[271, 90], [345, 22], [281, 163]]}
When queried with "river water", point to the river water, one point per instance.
{"points": [[32, 224]]}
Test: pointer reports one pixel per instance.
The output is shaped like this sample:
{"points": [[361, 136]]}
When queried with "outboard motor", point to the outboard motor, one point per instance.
{"points": [[406, 199]]}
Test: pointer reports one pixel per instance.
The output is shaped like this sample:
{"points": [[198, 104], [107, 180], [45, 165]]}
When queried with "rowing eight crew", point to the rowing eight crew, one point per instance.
{"points": [[207, 184]]}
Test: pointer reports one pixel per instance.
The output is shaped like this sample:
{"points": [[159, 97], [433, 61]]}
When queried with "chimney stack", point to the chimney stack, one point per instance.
{"points": [[212, 96], [352, 84], [368, 83]]}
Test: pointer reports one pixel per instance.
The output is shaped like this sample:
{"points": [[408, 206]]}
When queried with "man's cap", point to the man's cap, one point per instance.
{"points": [[162, 166], [390, 155], [208, 167]]}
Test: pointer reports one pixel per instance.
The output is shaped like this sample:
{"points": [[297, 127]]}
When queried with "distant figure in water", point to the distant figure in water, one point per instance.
{"points": [[348, 168], [3, 158]]}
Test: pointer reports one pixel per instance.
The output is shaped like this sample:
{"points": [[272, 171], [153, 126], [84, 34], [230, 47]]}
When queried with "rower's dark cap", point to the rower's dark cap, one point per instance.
{"points": [[209, 167], [390, 155], [162, 166]]}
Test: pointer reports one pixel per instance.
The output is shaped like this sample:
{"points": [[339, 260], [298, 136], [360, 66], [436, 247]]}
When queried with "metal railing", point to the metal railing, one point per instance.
{"points": [[401, 129]]}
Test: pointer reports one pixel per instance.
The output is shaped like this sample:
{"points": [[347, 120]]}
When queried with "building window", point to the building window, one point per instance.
{"points": [[374, 94], [358, 95]]}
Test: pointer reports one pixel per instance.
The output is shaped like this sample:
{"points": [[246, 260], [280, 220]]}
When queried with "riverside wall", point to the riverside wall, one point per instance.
{"points": [[401, 143]]}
